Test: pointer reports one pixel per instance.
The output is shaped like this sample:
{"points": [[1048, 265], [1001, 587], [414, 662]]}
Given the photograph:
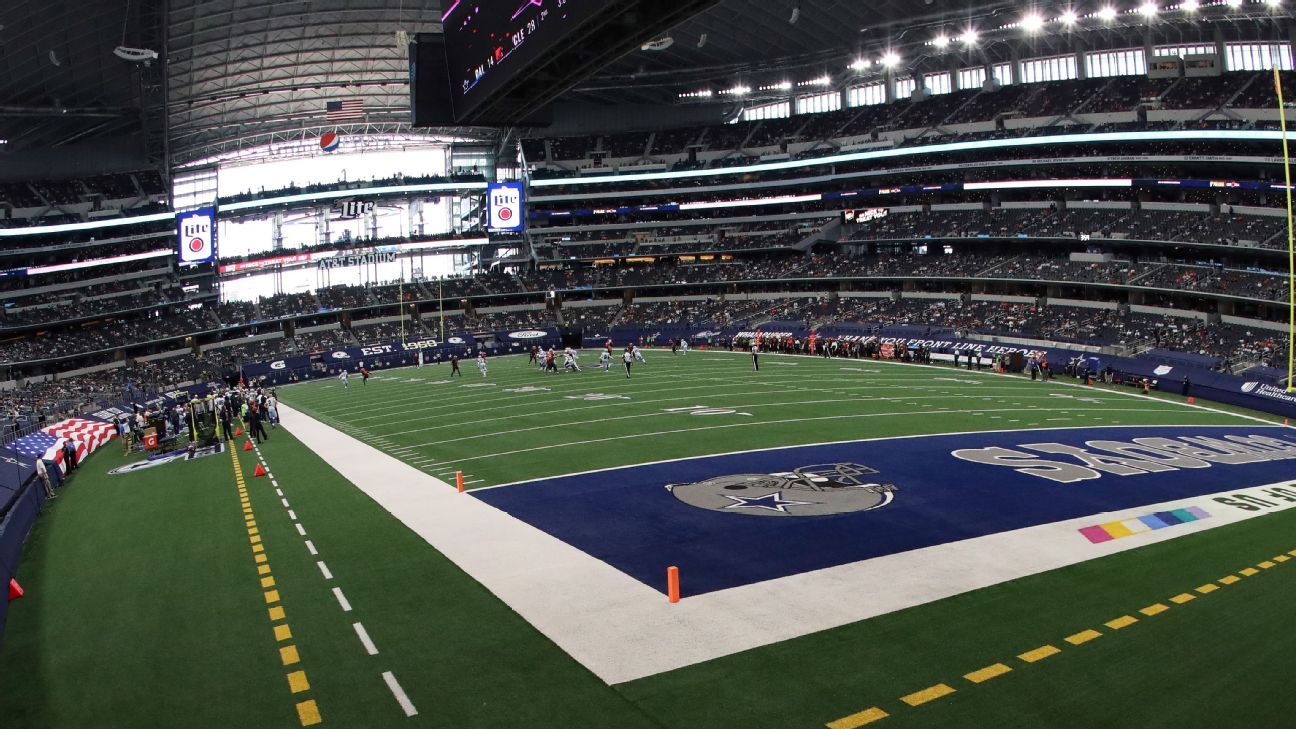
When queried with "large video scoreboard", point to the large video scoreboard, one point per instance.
{"points": [[489, 43]]}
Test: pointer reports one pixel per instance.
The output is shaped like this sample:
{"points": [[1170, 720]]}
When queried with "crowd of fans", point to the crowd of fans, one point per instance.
{"points": [[183, 317], [1038, 100]]}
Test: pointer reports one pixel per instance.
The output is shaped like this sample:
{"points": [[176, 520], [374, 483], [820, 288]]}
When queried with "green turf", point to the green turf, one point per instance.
{"points": [[144, 605], [145, 608], [500, 437]]}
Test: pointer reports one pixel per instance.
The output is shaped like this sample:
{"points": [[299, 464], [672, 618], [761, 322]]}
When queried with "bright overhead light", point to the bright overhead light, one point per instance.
{"points": [[1032, 22], [940, 41], [1189, 6], [1273, 3], [1148, 9], [860, 64], [1233, 3], [821, 81], [969, 37], [1107, 12], [890, 59], [1068, 17]]}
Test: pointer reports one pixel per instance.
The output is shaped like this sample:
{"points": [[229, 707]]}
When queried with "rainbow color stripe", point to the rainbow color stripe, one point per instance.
{"points": [[1128, 527]]}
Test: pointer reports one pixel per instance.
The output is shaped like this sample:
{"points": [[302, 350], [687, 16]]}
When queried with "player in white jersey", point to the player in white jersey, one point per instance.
{"points": [[683, 345], [569, 360], [605, 361], [345, 379], [481, 362], [638, 354], [755, 350]]}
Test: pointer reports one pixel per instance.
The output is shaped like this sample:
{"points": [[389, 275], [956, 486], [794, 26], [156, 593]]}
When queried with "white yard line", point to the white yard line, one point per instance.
{"points": [[552, 425], [310, 547], [784, 421], [324, 570]]}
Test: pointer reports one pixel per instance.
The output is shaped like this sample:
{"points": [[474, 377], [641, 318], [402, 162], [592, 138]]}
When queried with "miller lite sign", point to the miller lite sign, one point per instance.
{"points": [[504, 209], [196, 236], [354, 208]]}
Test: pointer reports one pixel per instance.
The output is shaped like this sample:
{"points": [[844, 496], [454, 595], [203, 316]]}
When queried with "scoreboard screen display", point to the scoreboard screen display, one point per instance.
{"points": [[489, 42], [864, 215]]}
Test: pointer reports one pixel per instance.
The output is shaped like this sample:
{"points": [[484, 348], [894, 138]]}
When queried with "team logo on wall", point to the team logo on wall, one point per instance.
{"points": [[820, 490]]}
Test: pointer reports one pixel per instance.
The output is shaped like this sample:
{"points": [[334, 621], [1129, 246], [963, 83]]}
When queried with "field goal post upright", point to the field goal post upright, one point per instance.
{"points": [[1291, 237]]}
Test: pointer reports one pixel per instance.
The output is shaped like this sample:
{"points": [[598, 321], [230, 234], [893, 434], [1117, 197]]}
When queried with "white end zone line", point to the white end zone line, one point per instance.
{"points": [[621, 629]]}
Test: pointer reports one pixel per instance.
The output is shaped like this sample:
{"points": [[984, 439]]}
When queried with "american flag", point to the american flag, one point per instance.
{"points": [[40, 445], [344, 110], [88, 433]]}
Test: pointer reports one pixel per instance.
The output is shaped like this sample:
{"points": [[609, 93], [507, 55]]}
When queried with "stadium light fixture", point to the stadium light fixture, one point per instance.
{"points": [[1107, 13], [1148, 9], [1273, 3], [890, 59], [1068, 17], [821, 81], [1189, 6], [859, 64], [1235, 4], [1032, 22], [969, 37], [940, 41]]}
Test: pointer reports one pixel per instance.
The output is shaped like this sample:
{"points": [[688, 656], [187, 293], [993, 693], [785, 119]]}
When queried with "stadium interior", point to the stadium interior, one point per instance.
{"points": [[207, 203]]}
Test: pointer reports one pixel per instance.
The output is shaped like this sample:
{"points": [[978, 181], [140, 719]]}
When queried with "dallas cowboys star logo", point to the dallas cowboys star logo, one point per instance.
{"points": [[772, 501]]}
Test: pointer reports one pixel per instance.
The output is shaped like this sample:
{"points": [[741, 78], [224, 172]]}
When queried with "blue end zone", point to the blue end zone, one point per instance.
{"points": [[737, 519]]}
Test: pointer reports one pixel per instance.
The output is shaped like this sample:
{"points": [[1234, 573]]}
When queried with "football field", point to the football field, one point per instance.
{"points": [[518, 424], [859, 543]]}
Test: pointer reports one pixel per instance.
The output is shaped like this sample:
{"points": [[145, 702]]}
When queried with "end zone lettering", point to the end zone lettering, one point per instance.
{"points": [[1137, 457]]}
